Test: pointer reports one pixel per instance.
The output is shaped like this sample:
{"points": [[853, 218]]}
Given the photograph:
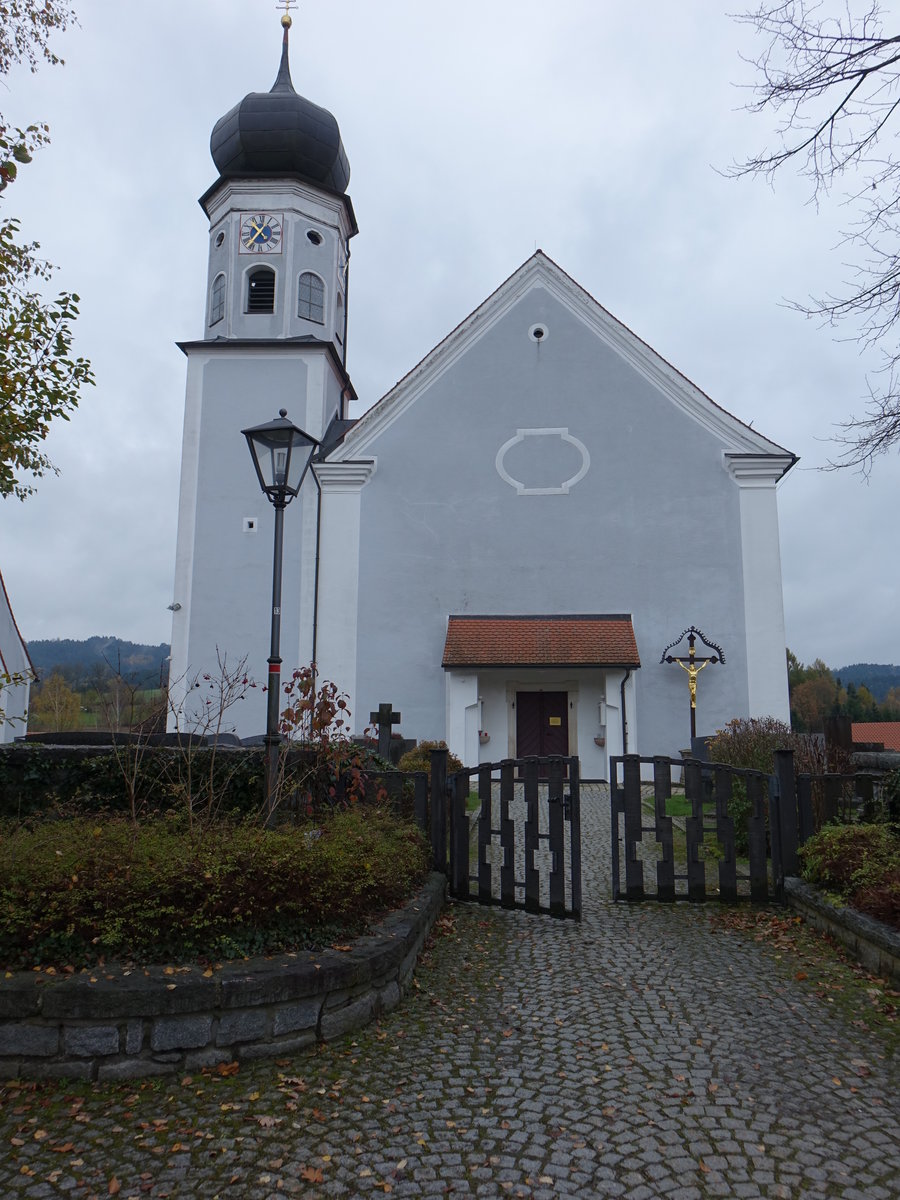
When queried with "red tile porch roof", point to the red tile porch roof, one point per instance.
{"points": [[886, 732], [600, 640]]}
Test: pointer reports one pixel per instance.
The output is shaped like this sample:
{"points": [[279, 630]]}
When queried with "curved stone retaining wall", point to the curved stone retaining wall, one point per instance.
{"points": [[154, 1021], [874, 944]]}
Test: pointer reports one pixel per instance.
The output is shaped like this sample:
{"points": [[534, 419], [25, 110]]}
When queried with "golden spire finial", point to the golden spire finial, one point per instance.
{"points": [[287, 5]]}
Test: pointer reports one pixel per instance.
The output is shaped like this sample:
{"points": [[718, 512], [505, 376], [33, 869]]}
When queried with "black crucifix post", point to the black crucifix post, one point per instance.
{"points": [[384, 719], [693, 664]]}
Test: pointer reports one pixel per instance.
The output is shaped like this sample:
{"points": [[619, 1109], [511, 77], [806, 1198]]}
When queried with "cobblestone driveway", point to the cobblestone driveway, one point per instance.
{"points": [[638, 1054]]}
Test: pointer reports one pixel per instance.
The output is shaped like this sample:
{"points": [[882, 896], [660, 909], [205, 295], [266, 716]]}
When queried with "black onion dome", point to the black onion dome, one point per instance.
{"points": [[281, 133]]}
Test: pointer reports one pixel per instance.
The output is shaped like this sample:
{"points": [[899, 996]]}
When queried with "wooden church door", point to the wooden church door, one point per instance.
{"points": [[542, 723]]}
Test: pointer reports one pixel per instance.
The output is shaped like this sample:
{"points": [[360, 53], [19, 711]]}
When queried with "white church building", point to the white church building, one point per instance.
{"points": [[503, 546], [16, 673]]}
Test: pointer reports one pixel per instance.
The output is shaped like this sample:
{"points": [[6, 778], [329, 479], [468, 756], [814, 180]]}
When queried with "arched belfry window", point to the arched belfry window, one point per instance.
{"points": [[311, 298], [261, 290], [217, 300]]}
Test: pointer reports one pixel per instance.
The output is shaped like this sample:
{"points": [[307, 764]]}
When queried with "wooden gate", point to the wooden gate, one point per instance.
{"points": [[706, 837], [515, 835]]}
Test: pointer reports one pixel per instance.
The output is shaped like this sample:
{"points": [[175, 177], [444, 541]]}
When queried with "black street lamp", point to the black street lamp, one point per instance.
{"points": [[281, 454]]}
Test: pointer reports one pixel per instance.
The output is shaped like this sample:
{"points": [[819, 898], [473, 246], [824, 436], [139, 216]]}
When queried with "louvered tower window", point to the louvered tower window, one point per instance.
{"points": [[311, 298], [261, 291], [217, 300]]}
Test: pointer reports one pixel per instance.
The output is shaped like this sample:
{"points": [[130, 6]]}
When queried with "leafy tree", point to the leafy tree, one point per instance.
{"points": [[40, 378], [25, 29], [817, 693], [812, 701], [55, 705], [831, 73]]}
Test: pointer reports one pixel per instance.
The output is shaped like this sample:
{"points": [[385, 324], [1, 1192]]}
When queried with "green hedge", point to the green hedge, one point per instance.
{"points": [[73, 892], [858, 863], [37, 780], [58, 781]]}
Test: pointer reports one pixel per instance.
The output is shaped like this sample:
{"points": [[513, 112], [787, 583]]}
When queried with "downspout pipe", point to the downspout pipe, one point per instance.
{"points": [[315, 620], [346, 306], [625, 679]]}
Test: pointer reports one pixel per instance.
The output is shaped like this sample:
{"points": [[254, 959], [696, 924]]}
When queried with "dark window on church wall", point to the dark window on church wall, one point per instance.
{"points": [[261, 291], [311, 298], [217, 300]]}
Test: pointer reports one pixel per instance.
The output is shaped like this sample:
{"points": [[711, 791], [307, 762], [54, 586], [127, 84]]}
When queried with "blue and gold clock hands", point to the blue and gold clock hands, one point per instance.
{"points": [[260, 232]]}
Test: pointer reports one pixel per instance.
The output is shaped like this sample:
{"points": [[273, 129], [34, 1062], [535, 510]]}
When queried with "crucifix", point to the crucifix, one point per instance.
{"points": [[692, 664], [384, 719]]}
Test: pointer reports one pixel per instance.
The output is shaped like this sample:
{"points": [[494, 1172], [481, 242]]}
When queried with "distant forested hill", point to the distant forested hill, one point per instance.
{"points": [[877, 677], [82, 662]]}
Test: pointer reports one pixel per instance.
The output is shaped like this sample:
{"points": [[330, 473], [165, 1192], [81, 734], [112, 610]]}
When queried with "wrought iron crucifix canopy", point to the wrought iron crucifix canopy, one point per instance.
{"points": [[693, 664]]}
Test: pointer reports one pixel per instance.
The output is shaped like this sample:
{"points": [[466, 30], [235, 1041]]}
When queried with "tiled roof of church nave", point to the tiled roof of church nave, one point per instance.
{"points": [[588, 640]]}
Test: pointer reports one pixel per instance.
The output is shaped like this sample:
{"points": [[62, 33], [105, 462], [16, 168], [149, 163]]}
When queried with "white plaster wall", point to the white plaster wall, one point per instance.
{"points": [[302, 208], [14, 705], [223, 570], [13, 661], [763, 600], [492, 692], [336, 639], [461, 691], [653, 529]]}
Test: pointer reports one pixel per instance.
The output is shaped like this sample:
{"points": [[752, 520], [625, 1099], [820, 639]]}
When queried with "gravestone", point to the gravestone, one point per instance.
{"points": [[385, 718]]}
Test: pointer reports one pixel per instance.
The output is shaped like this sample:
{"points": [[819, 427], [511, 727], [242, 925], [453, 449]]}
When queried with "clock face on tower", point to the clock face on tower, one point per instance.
{"points": [[260, 233]]}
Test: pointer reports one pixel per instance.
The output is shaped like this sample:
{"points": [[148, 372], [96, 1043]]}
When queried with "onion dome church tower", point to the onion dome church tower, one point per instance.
{"points": [[275, 336]]}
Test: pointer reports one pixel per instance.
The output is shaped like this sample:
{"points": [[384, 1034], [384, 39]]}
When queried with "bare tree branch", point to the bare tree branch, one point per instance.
{"points": [[832, 75]]}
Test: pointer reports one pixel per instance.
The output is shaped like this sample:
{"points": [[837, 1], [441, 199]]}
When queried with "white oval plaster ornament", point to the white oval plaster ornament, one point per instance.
{"points": [[566, 485]]}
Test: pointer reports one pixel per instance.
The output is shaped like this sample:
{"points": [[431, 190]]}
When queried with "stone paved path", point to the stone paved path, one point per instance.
{"points": [[638, 1055]]}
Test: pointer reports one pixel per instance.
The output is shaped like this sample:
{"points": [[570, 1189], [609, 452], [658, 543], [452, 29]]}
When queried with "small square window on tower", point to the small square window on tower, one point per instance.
{"points": [[250, 524]]}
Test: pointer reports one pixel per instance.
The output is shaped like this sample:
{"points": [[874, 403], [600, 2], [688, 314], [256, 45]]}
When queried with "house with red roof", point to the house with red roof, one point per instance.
{"points": [[16, 672], [868, 733]]}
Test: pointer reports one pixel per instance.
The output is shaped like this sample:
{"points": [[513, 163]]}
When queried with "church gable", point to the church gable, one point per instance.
{"points": [[541, 329]]}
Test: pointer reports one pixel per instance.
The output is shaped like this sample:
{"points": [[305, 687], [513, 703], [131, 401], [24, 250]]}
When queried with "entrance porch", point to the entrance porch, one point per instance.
{"points": [[538, 685]]}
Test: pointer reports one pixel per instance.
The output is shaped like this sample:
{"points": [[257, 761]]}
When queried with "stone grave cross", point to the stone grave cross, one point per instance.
{"points": [[384, 719]]}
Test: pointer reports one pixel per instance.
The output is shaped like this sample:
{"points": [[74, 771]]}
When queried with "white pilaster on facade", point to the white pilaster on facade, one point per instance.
{"points": [[462, 702], [767, 682], [338, 602], [184, 549]]}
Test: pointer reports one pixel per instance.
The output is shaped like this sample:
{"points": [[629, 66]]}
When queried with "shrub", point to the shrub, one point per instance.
{"points": [[890, 791], [420, 758], [751, 744], [861, 864], [73, 892]]}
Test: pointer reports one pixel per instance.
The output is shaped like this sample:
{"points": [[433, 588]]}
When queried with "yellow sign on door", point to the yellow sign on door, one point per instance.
{"points": [[556, 720]]}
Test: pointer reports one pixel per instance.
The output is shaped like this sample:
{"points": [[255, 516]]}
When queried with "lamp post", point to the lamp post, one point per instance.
{"points": [[281, 455]]}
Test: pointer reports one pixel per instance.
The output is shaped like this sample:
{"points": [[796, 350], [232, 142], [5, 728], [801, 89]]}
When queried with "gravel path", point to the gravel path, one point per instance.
{"points": [[638, 1054]]}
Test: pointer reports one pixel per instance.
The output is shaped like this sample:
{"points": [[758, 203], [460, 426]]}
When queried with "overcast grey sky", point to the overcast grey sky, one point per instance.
{"points": [[596, 130]]}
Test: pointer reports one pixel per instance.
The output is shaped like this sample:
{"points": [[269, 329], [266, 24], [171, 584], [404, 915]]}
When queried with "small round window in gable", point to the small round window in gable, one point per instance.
{"points": [[314, 236], [539, 332]]}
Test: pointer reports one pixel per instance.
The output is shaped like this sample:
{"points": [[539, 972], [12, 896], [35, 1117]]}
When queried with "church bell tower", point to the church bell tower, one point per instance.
{"points": [[274, 336]]}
